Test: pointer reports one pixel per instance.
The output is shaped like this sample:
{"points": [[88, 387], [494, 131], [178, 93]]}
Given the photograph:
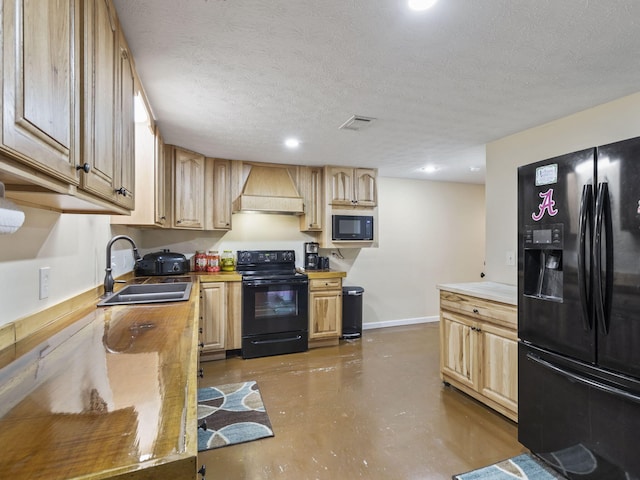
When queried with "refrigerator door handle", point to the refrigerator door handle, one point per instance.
{"points": [[602, 300], [583, 380], [583, 279]]}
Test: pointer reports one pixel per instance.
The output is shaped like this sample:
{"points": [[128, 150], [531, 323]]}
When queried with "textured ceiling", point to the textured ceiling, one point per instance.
{"points": [[234, 78]]}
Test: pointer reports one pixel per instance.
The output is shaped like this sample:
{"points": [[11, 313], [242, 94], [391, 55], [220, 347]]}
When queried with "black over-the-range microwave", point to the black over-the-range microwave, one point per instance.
{"points": [[352, 227]]}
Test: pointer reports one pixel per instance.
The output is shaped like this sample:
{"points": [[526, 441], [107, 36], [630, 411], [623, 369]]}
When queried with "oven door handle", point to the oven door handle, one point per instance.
{"points": [[260, 283], [276, 340]]}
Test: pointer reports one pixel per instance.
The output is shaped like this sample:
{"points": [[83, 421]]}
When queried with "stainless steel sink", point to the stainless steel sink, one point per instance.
{"points": [[149, 293]]}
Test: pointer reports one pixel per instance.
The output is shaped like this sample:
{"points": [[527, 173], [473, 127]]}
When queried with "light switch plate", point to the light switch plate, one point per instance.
{"points": [[44, 282]]}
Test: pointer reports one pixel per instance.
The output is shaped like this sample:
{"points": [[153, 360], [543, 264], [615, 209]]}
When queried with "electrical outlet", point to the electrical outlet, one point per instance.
{"points": [[44, 282], [511, 258]]}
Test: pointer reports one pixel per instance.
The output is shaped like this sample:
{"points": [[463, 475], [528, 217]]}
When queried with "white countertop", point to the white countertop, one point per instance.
{"points": [[498, 292]]}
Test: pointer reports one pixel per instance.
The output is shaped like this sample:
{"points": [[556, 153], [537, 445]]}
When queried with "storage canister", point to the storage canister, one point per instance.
{"points": [[213, 261], [228, 261]]}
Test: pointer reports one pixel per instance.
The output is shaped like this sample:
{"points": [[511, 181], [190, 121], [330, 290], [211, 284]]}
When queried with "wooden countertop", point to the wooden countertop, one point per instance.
{"points": [[323, 273], [498, 292], [111, 394]]}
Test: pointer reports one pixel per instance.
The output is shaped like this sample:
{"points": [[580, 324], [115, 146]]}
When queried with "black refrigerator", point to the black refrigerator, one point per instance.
{"points": [[579, 311]]}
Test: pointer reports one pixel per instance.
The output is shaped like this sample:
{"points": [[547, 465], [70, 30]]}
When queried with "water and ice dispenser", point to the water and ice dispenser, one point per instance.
{"points": [[543, 273]]}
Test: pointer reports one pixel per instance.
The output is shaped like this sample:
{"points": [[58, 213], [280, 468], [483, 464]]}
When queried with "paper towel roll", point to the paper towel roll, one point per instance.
{"points": [[11, 217]]}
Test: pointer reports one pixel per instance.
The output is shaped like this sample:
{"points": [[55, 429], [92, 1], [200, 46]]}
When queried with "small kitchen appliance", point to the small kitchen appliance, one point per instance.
{"points": [[311, 258], [357, 228], [162, 263]]}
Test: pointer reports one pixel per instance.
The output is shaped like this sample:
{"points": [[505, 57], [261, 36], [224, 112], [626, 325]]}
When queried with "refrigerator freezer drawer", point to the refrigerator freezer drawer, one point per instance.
{"points": [[589, 428]]}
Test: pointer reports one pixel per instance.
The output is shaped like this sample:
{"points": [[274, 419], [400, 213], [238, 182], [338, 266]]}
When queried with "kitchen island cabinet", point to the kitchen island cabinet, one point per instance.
{"points": [[103, 393], [479, 343]]}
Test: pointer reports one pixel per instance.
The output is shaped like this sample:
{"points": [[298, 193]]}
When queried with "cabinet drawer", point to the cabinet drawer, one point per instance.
{"points": [[496, 312], [325, 284]]}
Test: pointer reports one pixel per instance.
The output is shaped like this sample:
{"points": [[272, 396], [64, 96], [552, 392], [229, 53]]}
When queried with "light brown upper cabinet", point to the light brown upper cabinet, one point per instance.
{"points": [[161, 176], [218, 194], [100, 98], [67, 94], [125, 129], [108, 81], [188, 181], [352, 186], [151, 175], [311, 189], [40, 73]]}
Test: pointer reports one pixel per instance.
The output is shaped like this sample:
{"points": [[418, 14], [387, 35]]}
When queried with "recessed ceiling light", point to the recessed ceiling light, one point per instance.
{"points": [[292, 142], [429, 169], [420, 5], [474, 169]]}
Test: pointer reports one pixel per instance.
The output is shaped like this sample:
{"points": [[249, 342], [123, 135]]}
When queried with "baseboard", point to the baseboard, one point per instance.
{"points": [[398, 323]]}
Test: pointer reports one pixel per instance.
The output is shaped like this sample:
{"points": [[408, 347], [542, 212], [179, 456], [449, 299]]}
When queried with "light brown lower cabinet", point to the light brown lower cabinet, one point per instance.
{"points": [[325, 311], [219, 319], [212, 320], [479, 350]]}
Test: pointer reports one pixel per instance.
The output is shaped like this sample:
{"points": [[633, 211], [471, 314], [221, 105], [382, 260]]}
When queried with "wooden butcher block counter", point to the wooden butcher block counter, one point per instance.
{"points": [[110, 395]]}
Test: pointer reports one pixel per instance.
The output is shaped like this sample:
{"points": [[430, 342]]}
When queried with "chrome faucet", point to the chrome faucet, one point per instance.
{"points": [[108, 279]]}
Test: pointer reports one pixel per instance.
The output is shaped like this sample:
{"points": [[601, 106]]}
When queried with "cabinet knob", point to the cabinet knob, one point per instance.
{"points": [[122, 191], [203, 425], [178, 221], [86, 168], [203, 471], [200, 330], [201, 373], [201, 344], [475, 310]]}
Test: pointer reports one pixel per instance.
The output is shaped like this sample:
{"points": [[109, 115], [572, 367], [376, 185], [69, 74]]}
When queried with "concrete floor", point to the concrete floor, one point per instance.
{"points": [[372, 408]]}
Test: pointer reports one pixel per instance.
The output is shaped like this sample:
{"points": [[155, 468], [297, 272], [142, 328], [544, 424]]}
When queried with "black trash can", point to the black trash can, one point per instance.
{"points": [[352, 312]]}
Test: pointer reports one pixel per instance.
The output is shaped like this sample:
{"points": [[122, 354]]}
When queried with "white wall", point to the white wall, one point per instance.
{"points": [[72, 246], [607, 123], [430, 233]]}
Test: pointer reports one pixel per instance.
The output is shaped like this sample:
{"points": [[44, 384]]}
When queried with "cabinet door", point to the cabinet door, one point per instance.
{"points": [[40, 62], [188, 193], [234, 316], [160, 179], [458, 349], [499, 370], [365, 185], [221, 194], [311, 186], [325, 314], [341, 186], [125, 160], [100, 98], [213, 319]]}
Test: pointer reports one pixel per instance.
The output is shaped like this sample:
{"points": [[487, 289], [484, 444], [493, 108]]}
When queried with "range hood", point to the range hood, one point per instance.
{"points": [[269, 190]]}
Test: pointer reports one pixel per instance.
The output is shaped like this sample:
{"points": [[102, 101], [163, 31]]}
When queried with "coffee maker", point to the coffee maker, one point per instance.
{"points": [[311, 259]]}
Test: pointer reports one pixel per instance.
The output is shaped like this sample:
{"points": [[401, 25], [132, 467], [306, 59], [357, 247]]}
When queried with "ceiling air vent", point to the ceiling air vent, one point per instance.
{"points": [[357, 122]]}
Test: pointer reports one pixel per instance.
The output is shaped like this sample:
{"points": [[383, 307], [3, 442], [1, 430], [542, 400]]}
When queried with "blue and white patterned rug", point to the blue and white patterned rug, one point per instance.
{"points": [[233, 414], [522, 467]]}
